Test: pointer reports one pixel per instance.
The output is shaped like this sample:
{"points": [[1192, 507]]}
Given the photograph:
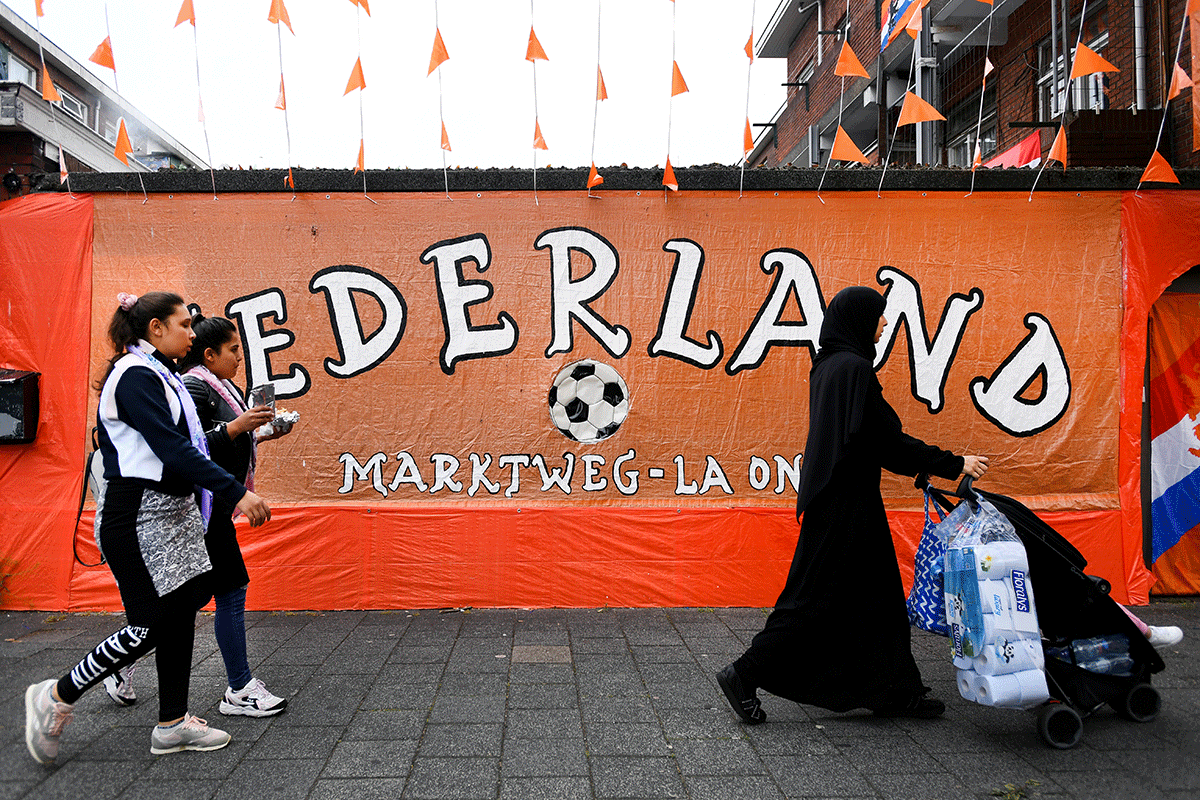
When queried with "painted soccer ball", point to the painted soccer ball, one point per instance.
{"points": [[588, 401]]}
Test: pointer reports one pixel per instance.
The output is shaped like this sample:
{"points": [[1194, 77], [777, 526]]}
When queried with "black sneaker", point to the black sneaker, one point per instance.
{"points": [[745, 703]]}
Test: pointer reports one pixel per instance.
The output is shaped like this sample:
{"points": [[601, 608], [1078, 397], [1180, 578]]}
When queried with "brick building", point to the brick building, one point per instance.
{"points": [[1112, 119], [84, 123]]}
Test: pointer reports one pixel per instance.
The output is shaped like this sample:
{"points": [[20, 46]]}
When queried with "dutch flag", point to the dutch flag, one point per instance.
{"points": [[1175, 445]]}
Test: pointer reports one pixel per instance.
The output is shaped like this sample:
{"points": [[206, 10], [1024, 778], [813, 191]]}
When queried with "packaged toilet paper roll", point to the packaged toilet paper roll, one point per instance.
{"points": [[996, 559], [962, 662], [999, 628], [966, 685], [1018, 690], [1022, 610], [1009, 655], [994, 597]]}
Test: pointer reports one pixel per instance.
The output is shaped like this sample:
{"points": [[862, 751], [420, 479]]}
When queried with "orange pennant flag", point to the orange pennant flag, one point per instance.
{"points": [[534, 51], [1058, 150], [186, 14], [601, 89], [123, 147], [364, 5], [281, 101], [38, 7], [104, 55], [668, 179], [594, 177], [439, 54], [913, 28], [678, 85], [357, 80], [750, 47], [747, 139], [1179, 82], [1193, 7], [848, 63], [445, 138], [62, 166], [360, 167], [278, 14], [49, 93], [916, 110], [844, 148], [978, 162], [987, 67], [539, 141], [1088, 61], [289, 181], [1158, 170]]}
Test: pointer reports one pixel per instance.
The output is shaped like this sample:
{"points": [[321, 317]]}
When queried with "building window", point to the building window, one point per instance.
{"points": [[961, 125], [110, 131], [21, 72], [1088, 93], [73, 107]]}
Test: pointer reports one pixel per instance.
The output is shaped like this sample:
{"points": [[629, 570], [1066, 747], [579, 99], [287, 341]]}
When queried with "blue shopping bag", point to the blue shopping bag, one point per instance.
{"points": [[926, 601]]}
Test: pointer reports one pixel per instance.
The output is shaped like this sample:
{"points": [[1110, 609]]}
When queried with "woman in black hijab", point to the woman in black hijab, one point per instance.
{"points": [[839, 637]]}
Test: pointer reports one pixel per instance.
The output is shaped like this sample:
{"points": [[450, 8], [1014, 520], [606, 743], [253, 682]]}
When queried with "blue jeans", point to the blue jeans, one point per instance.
{"points": [[229, 626]]}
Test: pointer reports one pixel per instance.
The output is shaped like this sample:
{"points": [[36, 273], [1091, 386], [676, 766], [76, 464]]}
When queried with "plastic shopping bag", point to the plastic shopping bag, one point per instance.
{"points": [[926, 601]]}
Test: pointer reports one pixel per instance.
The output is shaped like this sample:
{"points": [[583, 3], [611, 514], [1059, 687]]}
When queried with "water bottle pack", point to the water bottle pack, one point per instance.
{"points": [[990, 609], [1104, 655]]}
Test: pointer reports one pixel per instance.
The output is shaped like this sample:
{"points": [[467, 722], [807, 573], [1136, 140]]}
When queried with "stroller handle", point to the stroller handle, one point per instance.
{"points": [[965, 491]]}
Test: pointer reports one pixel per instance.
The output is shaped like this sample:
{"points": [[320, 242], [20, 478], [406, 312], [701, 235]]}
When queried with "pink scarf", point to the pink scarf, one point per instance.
{"points": [[233, 399]]}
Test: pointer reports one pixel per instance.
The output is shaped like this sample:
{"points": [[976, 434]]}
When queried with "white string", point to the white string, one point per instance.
{"points": [[982, 94], [596, 101], [286, 128], [912, 84], [745, 155], [671, 102], [200, 99], [362, 128], [1062, 119], [53, 116], [536, 123], [1167, 101], [117, 88], [441, 113]]}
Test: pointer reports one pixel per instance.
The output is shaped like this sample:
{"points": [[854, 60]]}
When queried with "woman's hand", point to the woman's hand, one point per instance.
{"points": [[255, 509], [975, 466], [249, 420]]}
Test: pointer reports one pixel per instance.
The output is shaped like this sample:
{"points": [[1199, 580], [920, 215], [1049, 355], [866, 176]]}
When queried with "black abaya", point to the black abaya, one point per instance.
{"points": [[839, 635]]}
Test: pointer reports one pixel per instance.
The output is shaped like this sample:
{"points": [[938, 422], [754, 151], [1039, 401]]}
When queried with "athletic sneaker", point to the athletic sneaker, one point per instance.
{"points": [[119, 686], [191, 734], [253, 700], [45, 719], [1165, 635]]}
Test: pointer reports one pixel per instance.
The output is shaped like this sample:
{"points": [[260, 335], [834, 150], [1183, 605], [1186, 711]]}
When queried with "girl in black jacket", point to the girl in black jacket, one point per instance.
{"points": [[229, 427]]}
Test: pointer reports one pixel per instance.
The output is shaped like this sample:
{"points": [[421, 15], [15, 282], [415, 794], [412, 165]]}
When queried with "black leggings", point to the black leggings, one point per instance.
{"points": [[172, 636]]}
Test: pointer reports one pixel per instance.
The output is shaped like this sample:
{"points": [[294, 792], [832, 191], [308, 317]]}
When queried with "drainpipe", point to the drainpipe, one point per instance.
{"points": [[1054, 60], [1139, 53]]}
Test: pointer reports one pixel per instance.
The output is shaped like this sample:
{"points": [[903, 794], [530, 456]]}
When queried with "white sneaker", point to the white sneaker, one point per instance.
{"points": [[253, 700], [191, 734], [1165, 635], [119, 686], [45, 719]]}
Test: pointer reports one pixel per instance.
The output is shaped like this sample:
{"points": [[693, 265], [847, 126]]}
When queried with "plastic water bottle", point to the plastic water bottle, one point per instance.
{"points": [[962, 583], [1099, 647], [1120, 665]]}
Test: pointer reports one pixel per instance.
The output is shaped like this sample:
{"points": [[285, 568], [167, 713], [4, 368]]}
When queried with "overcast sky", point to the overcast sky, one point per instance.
{"points": [[487, 86]]}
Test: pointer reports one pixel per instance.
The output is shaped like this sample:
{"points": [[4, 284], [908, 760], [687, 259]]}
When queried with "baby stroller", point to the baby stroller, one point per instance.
{"points": [[1071, 607]]}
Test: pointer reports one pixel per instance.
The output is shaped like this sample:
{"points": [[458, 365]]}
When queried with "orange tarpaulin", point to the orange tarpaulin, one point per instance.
{"points": [[420, 344]]}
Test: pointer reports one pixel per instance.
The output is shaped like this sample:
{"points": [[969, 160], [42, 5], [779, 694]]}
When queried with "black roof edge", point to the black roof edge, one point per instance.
{"points": [[701, 178]]}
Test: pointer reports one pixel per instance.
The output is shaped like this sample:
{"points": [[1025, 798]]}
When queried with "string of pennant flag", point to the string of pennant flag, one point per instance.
{"points": [[914, 109]]}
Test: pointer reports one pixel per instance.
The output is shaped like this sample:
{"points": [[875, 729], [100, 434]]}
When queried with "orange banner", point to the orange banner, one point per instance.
{"points": [[580, 403]]}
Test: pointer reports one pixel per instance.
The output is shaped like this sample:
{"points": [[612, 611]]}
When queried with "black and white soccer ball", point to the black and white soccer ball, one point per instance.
{"points": [[588, 401]]}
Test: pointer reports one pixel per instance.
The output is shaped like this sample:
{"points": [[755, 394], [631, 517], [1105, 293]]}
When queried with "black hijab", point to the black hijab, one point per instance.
{"points": [[840, 384]]}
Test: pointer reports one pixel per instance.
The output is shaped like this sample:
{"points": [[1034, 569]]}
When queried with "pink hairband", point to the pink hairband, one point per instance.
{"points": [[126, 300]]}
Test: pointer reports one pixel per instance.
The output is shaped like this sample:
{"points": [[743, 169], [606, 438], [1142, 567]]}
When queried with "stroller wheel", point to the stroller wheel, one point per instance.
{"points": [[1059, 725], [1140, 704]]}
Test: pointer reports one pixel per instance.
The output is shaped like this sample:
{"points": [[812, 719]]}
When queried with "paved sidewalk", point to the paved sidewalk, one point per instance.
{"points": [[536, 705]]}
